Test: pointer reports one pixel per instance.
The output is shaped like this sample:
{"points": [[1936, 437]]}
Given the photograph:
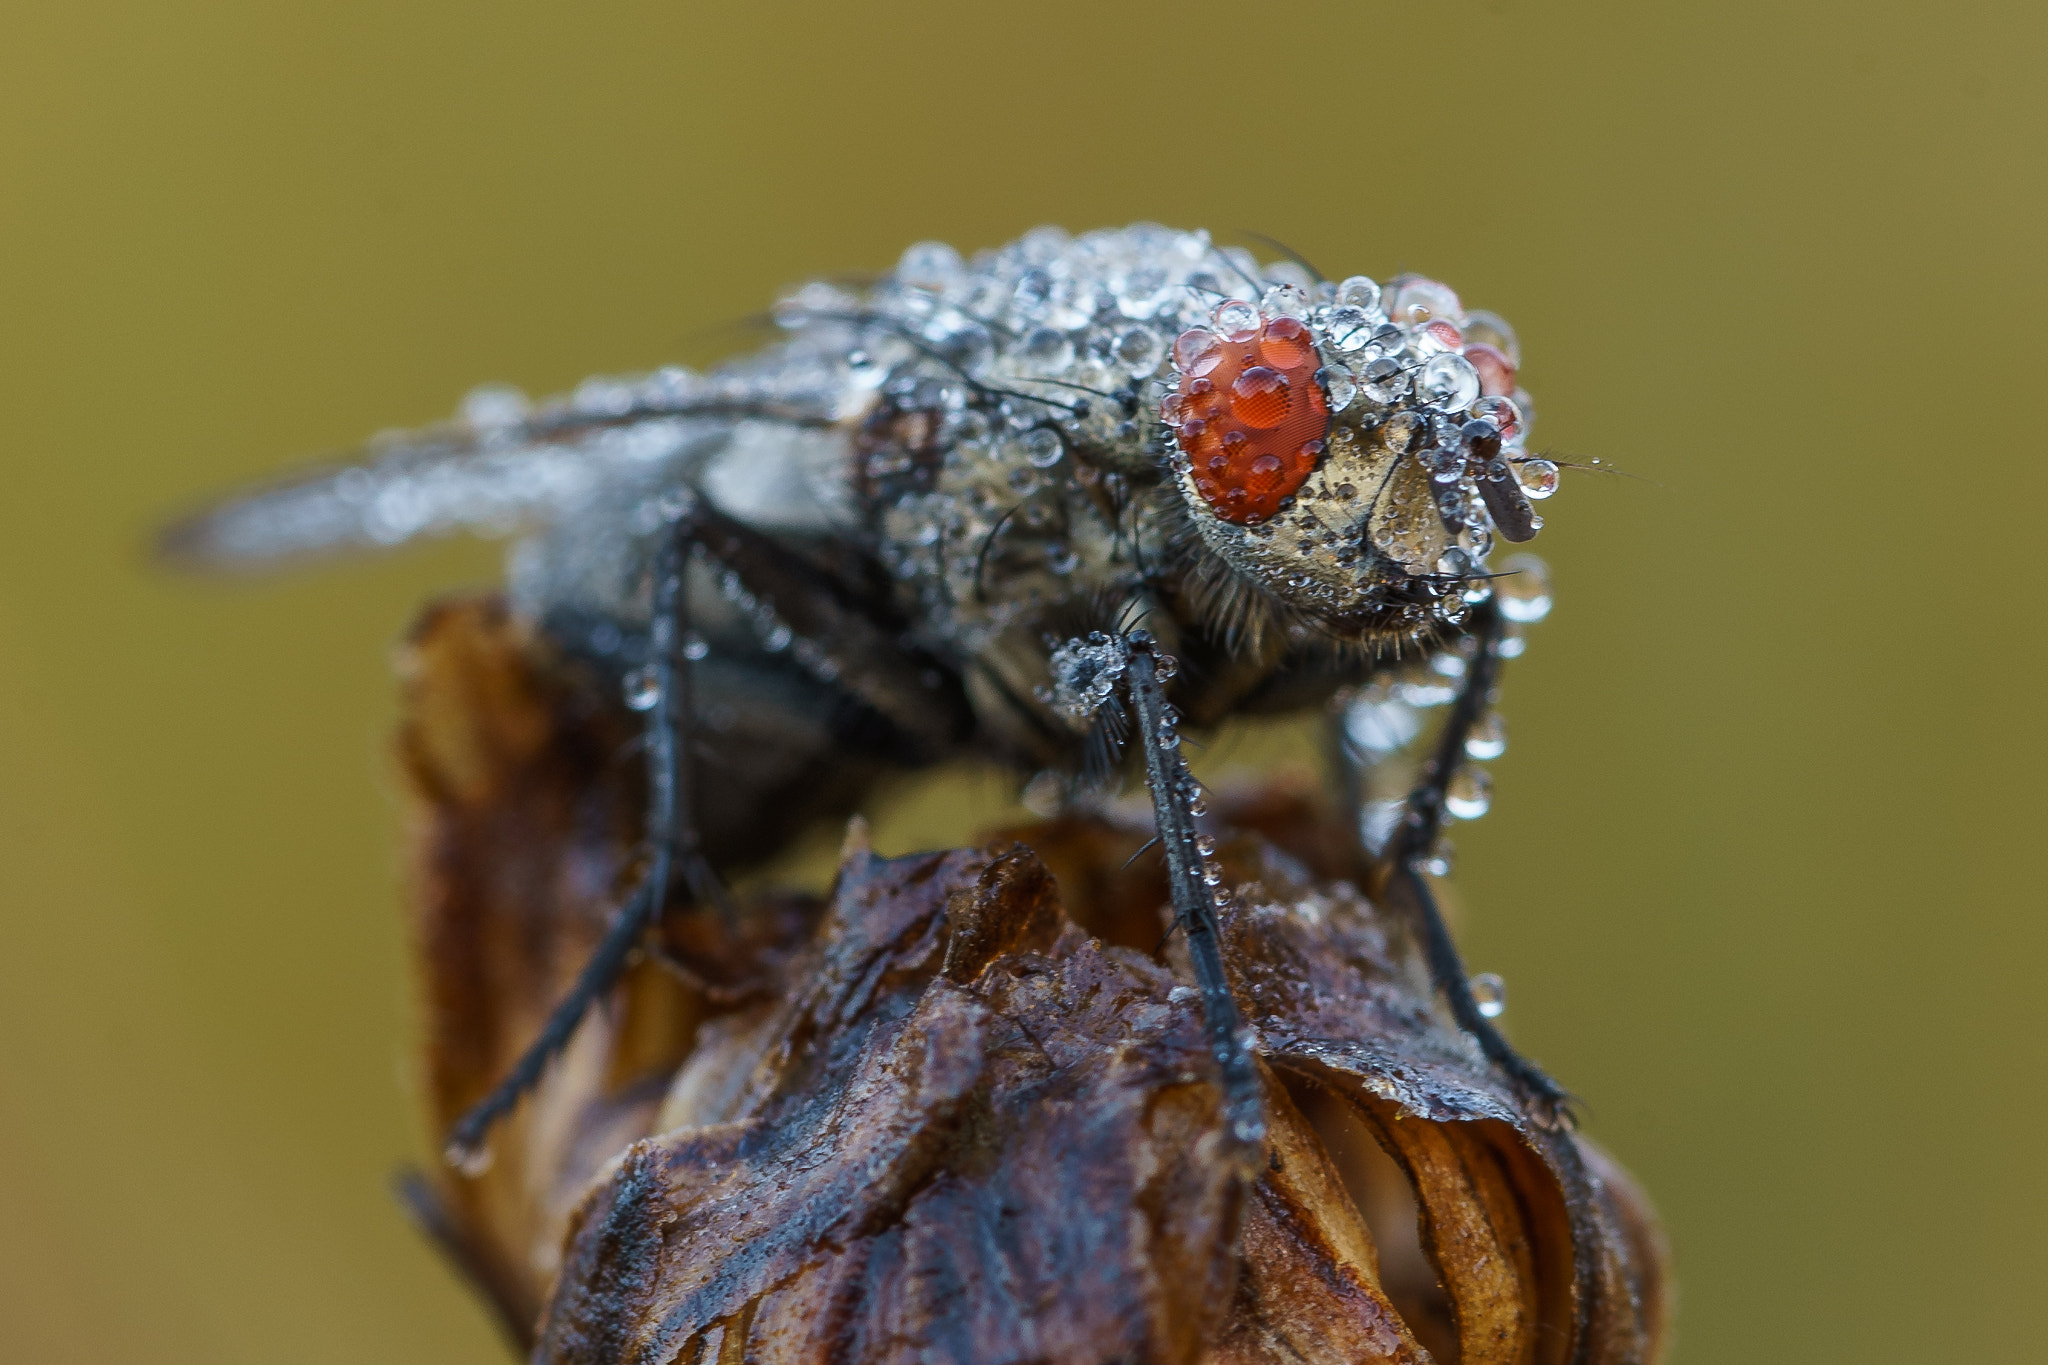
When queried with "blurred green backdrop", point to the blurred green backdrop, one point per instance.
{"points": [[1762, 868]]}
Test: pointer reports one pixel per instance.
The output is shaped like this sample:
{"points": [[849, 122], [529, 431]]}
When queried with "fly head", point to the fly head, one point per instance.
{"points": [[1351, 455]]}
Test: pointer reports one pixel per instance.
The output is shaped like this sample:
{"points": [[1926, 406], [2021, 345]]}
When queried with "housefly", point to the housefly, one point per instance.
{"points": [[1043, 507]]}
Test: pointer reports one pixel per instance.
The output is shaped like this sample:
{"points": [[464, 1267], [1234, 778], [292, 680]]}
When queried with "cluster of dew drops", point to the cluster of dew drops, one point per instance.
{"points": [[1382, 721], [1060, 315], [1410, 345]]}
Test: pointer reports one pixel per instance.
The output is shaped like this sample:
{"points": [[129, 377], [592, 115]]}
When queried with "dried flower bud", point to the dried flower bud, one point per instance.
{"points": [[954, 1115]]}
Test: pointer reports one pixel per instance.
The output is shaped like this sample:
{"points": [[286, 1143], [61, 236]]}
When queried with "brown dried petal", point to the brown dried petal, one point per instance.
{"points": [[937, 1120]]}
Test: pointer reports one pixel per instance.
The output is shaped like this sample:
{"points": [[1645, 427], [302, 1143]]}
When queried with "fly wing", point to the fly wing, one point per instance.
{"points": [[500, 467]]}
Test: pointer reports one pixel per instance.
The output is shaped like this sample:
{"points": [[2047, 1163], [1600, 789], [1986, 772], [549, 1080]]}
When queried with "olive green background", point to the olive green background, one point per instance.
{"points": [[1763, 870]]}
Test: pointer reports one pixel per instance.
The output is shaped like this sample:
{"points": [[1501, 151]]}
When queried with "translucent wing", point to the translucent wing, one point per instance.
{"points": [[502, 465]]}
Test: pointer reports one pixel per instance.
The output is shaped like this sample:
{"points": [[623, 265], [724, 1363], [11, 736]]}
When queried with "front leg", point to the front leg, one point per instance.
{"points": [[1408, 852], [1195, 902]]}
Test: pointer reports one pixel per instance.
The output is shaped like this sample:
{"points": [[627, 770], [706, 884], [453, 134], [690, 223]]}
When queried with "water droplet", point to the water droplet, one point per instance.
{"points": [[1139, 351], [1490, 993], [929, 265], [1524, 589], [1286, 344], [1047, 351], [1260, 397], [1385, 380], [1198, 804], [494, 407], [1212, 872], [1339, 387], [1433, 337], [1537, 477], [1196, 352], [1286, 301], [1043, 447], [1378, 728], [470, 1161], [1488, 738], [1359, 292], [777, 637], [1496, 376], [1205, 845], [1350, 329], [1237, 320], [643, 688], [1448, 381], [1144, 291], [695, 647], [971, 348], [1468, 794], [1023, 479], [1502, 413], [1491, 329], [1443, 856], [1220, 897], [1417, 300]]}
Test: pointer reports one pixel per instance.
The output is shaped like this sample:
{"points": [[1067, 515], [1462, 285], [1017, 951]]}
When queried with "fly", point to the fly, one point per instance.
{"points": [[1042, 507]]}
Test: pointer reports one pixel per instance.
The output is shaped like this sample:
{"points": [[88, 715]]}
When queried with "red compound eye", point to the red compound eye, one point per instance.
{"points": [[1264, 416], [1258, 397]]}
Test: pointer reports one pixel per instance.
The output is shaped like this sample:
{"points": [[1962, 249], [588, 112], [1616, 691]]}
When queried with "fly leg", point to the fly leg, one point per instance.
{"points": [[829, 629], [1408, 849], [671, 839], [1194, 906]]}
